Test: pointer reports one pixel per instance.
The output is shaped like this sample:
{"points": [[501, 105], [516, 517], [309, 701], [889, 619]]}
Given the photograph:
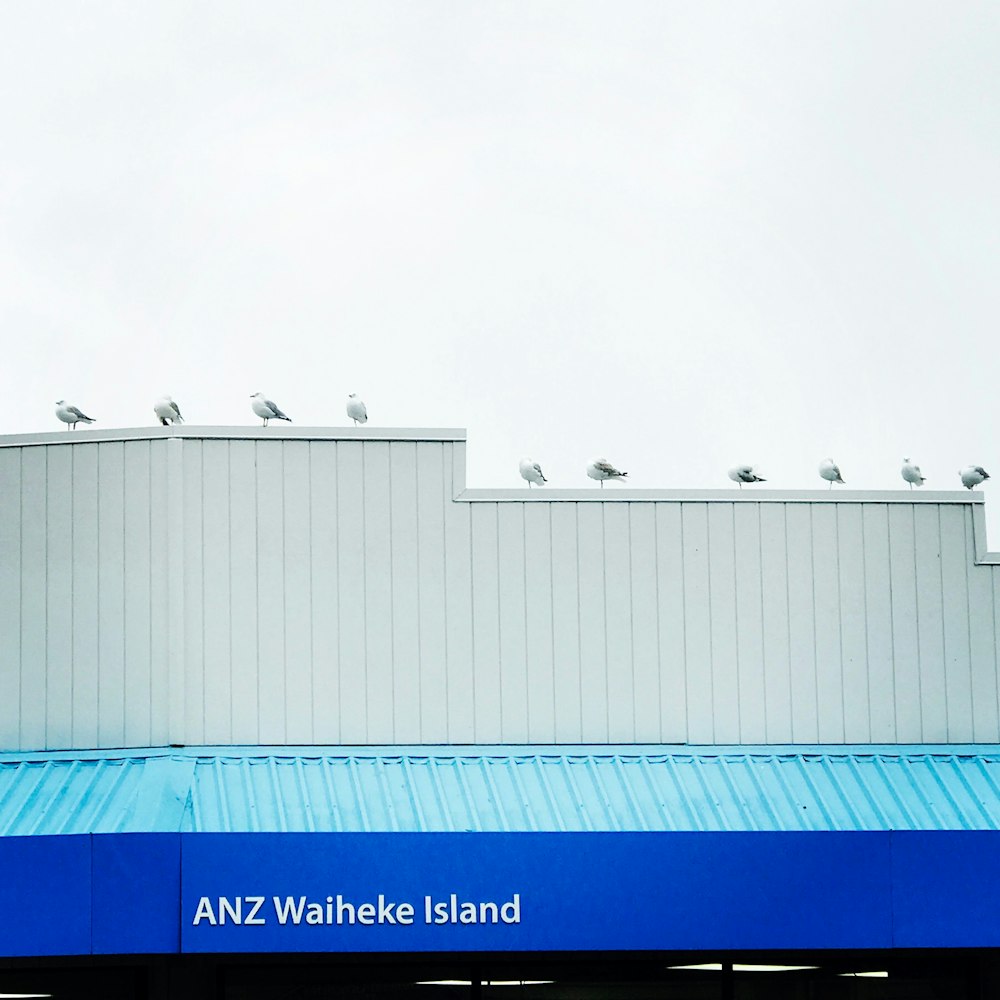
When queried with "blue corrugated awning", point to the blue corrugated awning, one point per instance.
{"points": [[514, 789]]}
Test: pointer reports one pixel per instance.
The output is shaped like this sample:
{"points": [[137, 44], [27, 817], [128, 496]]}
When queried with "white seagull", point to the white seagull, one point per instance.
{"points": [[973, 475], [70, 415], [168, 411], [601, 469], [267, 410], [531, 472], [829, 471], [356, 409], [911, 473], [745, 474]]}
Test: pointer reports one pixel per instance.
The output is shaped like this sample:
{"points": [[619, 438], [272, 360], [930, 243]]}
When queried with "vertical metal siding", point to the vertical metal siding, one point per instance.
{"points": [[332, 591]]}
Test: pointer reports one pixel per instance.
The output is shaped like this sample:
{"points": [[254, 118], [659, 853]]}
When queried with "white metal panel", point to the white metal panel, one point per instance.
{"points": [[432, 503], [324, 586], [111, 594], [513, 626], [878, 663], [907, 704], [85, 666], [803, 651], [352, 630], [251, 587], [487, 721], [700, 699], [775, 624], [538, 621], [567, 725], [244, 514], [930, 624], [405, 623], [618, 613], [853, 624], [983, 644], [955, 594], [271, 486], [461, 726], [749, 624], [297, 596], [593, 635], [727, 692], [197, 604], [36, 669], [644, 623], [10, 597], [59, 596], [378, 593], [671, 648], [216, 653], [162, 498], [827, 635]]}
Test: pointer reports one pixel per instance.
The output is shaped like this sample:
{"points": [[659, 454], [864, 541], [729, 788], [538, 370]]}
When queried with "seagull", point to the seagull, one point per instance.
{"points": [[601, 469], [911, 473], [266, 409], [70, 415], [531, 472], [745, 474], [972, 475], [356, 409], [829, 471], [168, 411]]}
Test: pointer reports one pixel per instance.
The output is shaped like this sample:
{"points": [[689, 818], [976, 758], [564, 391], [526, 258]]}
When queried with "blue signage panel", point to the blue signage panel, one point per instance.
{"points": [[45, 895], [136, 889], [946, 888], [446, 892], [533, 892]]}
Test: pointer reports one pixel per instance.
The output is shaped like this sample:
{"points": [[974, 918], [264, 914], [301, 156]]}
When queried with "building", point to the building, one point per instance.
{"points": [[291, 712]]}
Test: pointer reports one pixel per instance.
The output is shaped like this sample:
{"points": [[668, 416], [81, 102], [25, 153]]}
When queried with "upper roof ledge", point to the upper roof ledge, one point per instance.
{"points": [[279, 432]]}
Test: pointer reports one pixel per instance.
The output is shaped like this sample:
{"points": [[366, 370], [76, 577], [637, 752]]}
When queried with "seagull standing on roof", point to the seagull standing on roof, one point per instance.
{"points": [[531, 472], [168, 411], [70, 415], [973, 475], [745, 474], [356, 409], [911, 473], [267, 410], [601, 469], [829, 471]]}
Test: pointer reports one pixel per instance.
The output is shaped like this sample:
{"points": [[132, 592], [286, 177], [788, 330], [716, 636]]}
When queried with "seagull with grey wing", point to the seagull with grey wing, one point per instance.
{"points": [[531, 472], [70, 415], [973, 475], [911, 473], [745, 474], [356, 409], [830, 472], [266, 409], [168, 411], [601, 469]]}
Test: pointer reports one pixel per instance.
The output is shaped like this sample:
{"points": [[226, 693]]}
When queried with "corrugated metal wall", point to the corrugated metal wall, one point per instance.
{"points": [[246, 590]]}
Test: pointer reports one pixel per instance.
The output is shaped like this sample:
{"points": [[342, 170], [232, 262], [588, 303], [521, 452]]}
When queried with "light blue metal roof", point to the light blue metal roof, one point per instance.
{"points": [[502, 788]]}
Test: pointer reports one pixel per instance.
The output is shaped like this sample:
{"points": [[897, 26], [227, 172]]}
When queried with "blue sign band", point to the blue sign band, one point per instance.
{"points": [[449, 892]]}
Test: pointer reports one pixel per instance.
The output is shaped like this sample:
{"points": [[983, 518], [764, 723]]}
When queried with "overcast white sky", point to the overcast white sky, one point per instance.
{"points": [[679, 235]]}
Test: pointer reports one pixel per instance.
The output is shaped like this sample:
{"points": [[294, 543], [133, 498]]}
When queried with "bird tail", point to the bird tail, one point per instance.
{"points": [[622, 475], [281, 416], [89, 420]]}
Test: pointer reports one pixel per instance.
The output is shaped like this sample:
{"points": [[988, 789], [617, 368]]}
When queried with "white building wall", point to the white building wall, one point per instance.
{"points": [[236, 586]]}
